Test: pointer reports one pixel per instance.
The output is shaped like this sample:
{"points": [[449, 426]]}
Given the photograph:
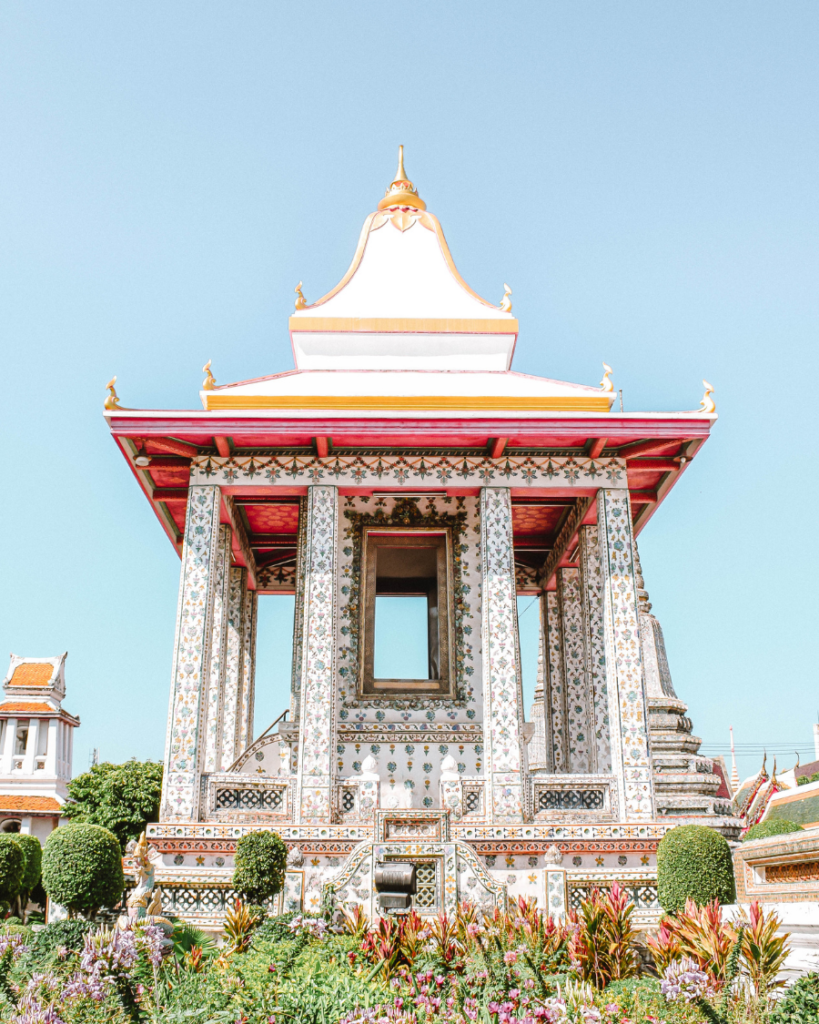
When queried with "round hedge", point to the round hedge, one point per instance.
{"points": [[261, 860], [773, 827], [82, 868], [33, 860], [12, 868], [694, 862]]}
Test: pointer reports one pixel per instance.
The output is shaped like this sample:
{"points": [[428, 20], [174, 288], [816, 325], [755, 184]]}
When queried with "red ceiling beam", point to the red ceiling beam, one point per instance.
{"points": [[170, 494], [669, 465], [647, 447], [595, 446], [496, 446], [167, 444], [169, 462], [242, 553], [322, 446], [643, 498], [222, 446]]}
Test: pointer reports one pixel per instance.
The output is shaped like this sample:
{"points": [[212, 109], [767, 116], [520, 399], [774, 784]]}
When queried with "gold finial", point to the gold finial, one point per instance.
{"points": [[112, 401], [707, 404], [209, 383], [402, 192], [300, 303], [506, 302], [606, 383]]}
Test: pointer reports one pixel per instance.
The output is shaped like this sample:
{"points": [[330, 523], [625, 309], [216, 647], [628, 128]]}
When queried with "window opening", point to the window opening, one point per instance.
{"points": [[406, 611], [426, 880], [21, 739]]}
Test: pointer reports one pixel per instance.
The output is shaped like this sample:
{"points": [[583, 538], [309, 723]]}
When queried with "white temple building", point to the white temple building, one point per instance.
{"points": [[403, 456]]}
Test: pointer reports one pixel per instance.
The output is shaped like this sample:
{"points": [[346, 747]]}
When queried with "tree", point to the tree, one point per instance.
{"points": [[120, 797], [694, 862], [12, 866], [261, 860], [82, 868], [32, 868]]}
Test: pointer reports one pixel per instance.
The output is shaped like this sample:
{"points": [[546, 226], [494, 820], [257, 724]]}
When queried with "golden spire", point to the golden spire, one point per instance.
{"points": [[402, 192]]}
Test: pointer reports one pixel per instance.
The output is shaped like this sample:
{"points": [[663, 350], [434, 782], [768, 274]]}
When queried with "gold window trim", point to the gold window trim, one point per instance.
{"points": [[444, 685]]}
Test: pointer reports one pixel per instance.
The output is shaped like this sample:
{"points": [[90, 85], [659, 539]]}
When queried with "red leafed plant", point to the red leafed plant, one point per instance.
{"points": [[602, 948]]}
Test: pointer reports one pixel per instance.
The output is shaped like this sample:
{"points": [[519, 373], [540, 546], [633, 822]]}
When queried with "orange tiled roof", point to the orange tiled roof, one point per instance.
{"points": [[32, 674], [28, 803], [28, 707]]}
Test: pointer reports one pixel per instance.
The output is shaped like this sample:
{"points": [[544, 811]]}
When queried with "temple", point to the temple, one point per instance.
{"points": [[404, 456]]}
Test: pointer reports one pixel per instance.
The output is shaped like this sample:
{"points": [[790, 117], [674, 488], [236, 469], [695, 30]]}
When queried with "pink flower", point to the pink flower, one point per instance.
{"points": [[510, 958]]}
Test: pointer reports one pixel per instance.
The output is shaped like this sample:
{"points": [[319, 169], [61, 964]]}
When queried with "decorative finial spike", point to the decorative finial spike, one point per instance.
{"points": [[707, 404], [402, 192], [209, 383], [400, 174], [112, 401], [606, 383], [506, 302], [300, 301]]}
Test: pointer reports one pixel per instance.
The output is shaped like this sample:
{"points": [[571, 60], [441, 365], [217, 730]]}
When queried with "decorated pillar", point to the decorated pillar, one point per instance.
{"points": [[539, 753], [298, 623], [580, 741], [218, 652], [316, 725], [631, 761], [595, 644], [555, 696], [503, 694], [238, 688], [247, 669], [184, 743]]}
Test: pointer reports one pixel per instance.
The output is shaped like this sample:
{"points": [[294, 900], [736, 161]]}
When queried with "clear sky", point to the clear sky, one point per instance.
{"points": [[643, 175]]}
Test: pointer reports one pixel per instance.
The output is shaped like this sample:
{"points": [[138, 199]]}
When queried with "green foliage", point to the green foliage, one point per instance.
{"points": [[120, 797], [58, 935], [805, 779], [12, 868], [33, 861], [261, 860], [604, 945], [774, 827], [82, 868], [800, 1004], [694, 862], [274, 929], [186, 936]]}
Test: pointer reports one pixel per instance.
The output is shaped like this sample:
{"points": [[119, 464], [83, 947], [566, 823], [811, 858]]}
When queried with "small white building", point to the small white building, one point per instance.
{"points": [[36, 743]]}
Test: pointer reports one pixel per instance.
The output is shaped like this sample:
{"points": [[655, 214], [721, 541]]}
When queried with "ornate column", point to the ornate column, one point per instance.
{"points": [[316, 726], [580, 742], [218, 652], [631, 761], [240, 605], [191, 665], [298, 623], [503, 695], [555, 700], [595, 644], [247, 669], [539, 753]]}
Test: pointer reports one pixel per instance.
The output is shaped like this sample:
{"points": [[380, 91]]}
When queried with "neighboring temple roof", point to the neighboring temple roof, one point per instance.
{"points": [[22, 803], [800, 805], [40, 678], [403, 282]]}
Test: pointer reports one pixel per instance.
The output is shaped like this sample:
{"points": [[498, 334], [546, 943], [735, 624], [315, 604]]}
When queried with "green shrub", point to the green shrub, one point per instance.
{"points": [[61, 935], [261, 860], [800, 1004], [120, 797], [773, 827], [82, 868], [32, 868], [804, 780], [12, 868], [694, 862]]}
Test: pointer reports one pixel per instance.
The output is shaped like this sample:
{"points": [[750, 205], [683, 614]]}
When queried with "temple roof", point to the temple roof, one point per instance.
{"points": [[402, 303]]}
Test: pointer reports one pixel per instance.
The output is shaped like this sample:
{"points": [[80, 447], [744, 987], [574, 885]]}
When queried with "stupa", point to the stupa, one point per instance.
{"points": [[404, 456]]}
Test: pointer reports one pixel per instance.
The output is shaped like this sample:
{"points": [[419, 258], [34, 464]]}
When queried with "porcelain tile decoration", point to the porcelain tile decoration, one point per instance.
{"points": [[595, 643], [579, 733]]}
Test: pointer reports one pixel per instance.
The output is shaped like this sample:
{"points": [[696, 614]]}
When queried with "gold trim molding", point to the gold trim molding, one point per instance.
{"points": [[431, 403]]}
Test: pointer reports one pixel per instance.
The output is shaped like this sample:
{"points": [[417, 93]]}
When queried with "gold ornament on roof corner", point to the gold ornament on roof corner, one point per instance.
{"points": [[707, 404], [506, 302], [606, 383], [401, 191], [112, 401], [209, 383], [300, 300]]}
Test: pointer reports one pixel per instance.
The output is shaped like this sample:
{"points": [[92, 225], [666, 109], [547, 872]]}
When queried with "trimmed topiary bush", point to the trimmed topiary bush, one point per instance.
{"points": [[261, 860], [63, 934], [12, 868], [694, 862], [82, 868], [33, 855], [773, 827]]}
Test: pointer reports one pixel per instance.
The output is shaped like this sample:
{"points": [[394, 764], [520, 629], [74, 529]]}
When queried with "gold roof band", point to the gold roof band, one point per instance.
{"points": [[554, 403], [401, 325]]}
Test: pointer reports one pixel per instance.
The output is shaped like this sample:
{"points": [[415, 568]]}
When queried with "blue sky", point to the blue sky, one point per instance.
{"points": [[643, 175]]}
